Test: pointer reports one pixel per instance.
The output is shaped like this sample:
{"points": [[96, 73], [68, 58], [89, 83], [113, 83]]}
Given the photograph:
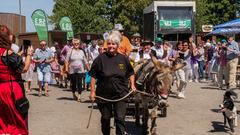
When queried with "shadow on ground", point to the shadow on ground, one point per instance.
{"points": [[210, 88], [65, 98], [68, 90], [33, 94], [36, 89], [217, 127], [215, 110], [94, 106], [132, 129]]}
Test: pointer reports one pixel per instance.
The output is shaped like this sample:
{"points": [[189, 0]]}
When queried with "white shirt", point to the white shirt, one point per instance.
{"points": [[159, 51], [146, 56], [93, 52]]}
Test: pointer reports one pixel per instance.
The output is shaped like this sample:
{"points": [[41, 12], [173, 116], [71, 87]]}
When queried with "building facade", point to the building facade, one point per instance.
{"points": [[15, 22]]}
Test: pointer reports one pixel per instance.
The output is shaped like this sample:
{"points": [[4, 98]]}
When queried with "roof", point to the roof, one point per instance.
{"points": [[155, 4], [32, 33], [11, 14]]}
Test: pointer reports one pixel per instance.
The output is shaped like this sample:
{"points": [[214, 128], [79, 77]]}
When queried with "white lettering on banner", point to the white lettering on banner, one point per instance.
{"points": [[67, 26], [39, 22], [168, 23], [182, 23]]}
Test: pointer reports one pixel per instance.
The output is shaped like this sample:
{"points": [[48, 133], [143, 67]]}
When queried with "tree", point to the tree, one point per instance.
{"points": [[215, 12], [80, 12], [201, 17], [221, 11], [100, 15]]}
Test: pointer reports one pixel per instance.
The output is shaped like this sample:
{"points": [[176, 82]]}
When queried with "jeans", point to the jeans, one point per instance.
{"points": [[76, 82], [201, 68], [222, 73], [44, 76], [195, 71], [119, 111], [182, 76]]}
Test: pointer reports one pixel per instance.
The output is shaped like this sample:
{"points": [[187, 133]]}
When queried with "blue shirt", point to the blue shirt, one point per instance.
{"points": [[234, 50], [43, 55]]}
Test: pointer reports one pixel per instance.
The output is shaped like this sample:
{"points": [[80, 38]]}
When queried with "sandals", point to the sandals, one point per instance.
{"points": [[46, 94], [39, 94], [79, 98], [28, 91]]}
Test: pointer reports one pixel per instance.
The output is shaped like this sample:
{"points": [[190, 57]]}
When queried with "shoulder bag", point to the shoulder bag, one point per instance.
{"points": [[22, 104]]}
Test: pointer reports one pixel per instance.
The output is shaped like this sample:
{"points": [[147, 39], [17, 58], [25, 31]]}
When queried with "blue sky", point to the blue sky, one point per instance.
{"points": [[28, 6]]}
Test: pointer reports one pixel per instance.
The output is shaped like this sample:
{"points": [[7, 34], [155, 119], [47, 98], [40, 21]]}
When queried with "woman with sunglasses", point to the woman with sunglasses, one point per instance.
{"points": [[183, 74], [75, 64]]}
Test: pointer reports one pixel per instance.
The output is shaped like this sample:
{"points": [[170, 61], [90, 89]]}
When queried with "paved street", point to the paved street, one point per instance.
{"points": [[60, 115]]}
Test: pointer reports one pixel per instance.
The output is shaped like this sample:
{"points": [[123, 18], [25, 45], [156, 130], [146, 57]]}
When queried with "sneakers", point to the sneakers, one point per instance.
{"points": [[196, 81], [79, 98], [181, 95], [61, 86]]}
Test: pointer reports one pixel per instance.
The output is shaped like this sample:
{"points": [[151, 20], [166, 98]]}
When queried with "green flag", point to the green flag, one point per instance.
{"points": [[66, 25], [40, 22]]}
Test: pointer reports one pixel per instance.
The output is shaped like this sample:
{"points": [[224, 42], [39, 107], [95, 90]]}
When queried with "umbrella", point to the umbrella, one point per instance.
{"points": [[230, 24], [225, 31]]}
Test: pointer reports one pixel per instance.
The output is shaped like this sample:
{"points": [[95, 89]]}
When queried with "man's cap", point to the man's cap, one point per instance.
{"points": [[118, 27], [136, 35], [158, 40], [223, 41], [146, 42]]}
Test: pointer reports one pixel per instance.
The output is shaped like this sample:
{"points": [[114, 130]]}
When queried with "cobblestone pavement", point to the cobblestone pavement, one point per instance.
{"points": [[58, 114]]}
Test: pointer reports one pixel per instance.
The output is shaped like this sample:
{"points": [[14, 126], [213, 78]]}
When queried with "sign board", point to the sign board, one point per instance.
{"points": [[207, 28], [175, 24], [66, 25], [39, 20]]}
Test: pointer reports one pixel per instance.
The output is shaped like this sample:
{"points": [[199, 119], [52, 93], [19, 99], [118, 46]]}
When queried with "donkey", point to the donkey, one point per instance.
{"points": [[158, 83]]}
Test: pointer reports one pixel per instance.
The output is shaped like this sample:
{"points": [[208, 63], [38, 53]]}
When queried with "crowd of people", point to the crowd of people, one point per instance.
{"points": [[108, 64]]}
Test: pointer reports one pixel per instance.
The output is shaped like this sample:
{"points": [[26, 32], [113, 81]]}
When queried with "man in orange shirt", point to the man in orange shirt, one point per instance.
{"points": [[125, 46]]}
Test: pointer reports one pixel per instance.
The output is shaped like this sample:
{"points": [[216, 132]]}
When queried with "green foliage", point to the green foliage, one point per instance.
{"points": [[201, 17], [100, 15], [215, 12]]}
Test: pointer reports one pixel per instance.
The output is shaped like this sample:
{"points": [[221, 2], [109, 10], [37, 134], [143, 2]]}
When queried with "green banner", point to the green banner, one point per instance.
{"points": [[175, 24], [66, 25], [40, 22]]}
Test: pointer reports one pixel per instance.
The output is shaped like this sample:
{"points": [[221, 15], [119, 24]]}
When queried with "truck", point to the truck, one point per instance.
{"points": [[170, 20]]}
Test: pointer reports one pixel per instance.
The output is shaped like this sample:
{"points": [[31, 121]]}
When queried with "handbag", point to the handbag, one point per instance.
{"points": [[55, 67], [231, 56], [22, 104]]}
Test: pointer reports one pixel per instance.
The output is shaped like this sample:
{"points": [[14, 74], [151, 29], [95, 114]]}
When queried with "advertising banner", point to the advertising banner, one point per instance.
{"points": [[66, 25], [39, 20], [175, 24]]}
